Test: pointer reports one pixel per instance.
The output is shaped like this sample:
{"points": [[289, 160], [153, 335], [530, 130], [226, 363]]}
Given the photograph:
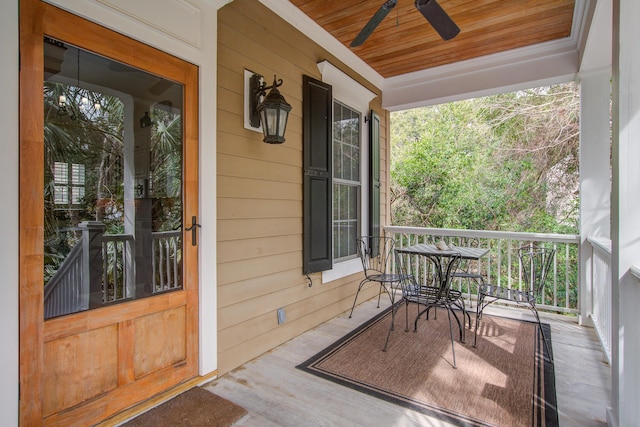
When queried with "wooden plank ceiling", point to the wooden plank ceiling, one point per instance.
{"points": [[405, 42]]}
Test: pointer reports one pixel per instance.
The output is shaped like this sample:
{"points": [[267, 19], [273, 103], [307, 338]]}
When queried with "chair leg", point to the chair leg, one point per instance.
{"points": [[394, 308], [463, 333], [406, 317], [544, 338], [380, 293], [460, 326], [356, 298], [479, 307], [453, 350]]}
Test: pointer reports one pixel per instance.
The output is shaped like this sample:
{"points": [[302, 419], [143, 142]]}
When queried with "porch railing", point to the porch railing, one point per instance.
{"points": [[118, 274], [502, 265], [103, 265], [166, 260], [600, 278]]}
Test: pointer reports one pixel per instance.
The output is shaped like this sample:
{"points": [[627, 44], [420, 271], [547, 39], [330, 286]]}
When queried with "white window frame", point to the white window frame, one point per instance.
{"points": [[354, 95]]}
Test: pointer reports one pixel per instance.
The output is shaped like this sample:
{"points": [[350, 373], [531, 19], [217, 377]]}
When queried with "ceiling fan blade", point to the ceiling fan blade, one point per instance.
{"points": [[438, 18], [373, 22]]}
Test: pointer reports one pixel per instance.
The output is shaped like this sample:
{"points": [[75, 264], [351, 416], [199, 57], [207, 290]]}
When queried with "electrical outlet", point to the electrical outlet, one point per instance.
{"points": [[281, 316]]}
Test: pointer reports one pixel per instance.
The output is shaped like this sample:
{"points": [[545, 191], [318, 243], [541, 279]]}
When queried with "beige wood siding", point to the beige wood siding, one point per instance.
{"points": [[260, 192]]}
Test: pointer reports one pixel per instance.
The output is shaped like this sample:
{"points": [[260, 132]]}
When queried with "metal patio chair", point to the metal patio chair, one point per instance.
{"points": [[376, 253], [535, 262]]}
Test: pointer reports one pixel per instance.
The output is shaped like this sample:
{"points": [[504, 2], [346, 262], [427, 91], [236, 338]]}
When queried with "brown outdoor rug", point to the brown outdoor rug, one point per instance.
{"points": [[196, 407], [505, 381]]}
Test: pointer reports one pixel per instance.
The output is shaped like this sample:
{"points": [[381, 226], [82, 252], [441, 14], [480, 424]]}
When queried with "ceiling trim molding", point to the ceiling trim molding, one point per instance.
{"points": [[547, 63]]}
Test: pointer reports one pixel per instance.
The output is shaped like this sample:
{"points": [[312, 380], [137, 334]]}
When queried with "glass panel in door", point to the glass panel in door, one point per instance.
{"points": [[113, 167]]}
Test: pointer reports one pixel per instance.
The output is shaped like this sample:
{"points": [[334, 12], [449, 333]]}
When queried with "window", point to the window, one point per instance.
{"points": [[346, 181], [68, 181]]}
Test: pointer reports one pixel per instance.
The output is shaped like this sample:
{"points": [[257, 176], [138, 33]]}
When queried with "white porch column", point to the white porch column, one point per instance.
{"points": [[625, 214], [595, 188]]}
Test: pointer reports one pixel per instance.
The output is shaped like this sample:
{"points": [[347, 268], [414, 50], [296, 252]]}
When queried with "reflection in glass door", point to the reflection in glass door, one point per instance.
{"points": [[113, 181]]}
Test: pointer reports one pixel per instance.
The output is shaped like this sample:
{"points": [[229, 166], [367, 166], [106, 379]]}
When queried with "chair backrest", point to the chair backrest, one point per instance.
{"points": [[375, 253], [407, 277], [536, 263]]}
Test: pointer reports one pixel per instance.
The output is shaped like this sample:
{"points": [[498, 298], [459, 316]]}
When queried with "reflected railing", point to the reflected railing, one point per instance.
{"points": [[99, 270]]}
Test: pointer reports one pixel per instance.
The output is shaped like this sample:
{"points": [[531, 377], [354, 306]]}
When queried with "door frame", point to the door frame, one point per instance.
{"points": [[38, 19]]}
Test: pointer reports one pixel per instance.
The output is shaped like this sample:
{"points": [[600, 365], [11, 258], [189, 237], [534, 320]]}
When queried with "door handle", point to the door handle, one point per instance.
{"points": [[194, 231]]}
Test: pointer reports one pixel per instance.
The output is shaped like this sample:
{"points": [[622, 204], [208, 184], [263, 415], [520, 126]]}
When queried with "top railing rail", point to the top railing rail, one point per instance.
{"points": [[485, 234]]}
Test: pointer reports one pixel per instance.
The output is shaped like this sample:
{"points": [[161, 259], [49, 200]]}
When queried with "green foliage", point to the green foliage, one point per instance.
{"points": [[505, 162]]}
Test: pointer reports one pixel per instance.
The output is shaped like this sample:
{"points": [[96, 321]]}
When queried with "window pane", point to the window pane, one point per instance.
{"points": [[77, 174], [60, 173], [77, 194], [354, 173], [337, 160], [61, 196]]}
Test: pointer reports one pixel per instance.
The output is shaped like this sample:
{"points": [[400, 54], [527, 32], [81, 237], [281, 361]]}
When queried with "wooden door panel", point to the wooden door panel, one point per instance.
{"points": [[160, 341], [83, 365]]}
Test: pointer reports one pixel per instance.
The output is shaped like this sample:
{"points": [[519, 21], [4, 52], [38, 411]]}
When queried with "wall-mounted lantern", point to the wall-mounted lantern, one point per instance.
{"points": [[272, 111]]}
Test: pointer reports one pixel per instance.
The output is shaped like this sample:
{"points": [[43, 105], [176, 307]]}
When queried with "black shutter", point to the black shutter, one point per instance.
{"points": [[317, 100], [374, 175]]}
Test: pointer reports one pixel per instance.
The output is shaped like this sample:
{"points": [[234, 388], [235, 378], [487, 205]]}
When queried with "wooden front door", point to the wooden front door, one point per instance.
{"points": [[108, 186]]}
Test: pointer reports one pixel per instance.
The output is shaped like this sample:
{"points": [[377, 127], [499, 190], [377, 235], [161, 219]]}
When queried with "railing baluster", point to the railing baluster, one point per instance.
{"points": [[567, 294], [555, 275], [175, 263], [509, 266], [168, 260]]}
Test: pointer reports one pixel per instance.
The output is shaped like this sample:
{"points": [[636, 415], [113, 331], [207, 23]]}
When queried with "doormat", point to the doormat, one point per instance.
{"points": [[196, 407]]}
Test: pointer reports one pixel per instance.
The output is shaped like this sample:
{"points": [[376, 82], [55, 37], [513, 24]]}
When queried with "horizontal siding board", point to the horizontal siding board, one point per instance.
{"points": [[239, 250], [233, 293], [256, 228], [236, 271], [247, 146], [247, 188], [257, 169], [232, 208]]}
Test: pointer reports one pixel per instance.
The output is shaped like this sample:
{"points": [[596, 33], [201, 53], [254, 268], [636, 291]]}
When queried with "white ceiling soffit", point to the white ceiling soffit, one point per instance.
{"points": [[546, 63]]}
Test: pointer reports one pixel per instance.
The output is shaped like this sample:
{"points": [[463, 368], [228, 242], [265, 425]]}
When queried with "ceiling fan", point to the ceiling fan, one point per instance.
{"points": [[430, 9]]}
